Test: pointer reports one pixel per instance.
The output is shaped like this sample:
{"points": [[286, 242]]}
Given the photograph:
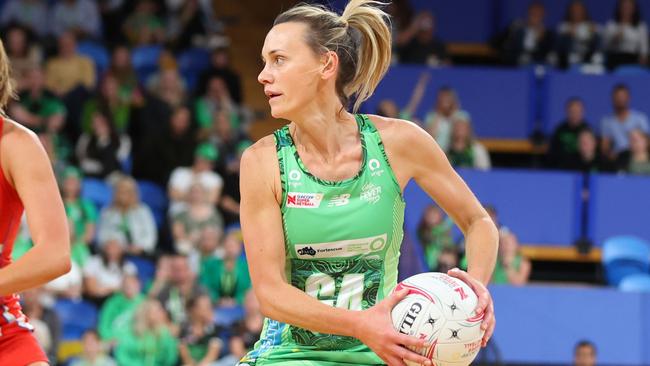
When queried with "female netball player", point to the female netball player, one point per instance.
{"points": [[26, 182], [322, 208]]}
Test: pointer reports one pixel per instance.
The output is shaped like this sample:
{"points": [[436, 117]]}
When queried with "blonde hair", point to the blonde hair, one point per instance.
{"points": [[7, 88], [360, 37]]}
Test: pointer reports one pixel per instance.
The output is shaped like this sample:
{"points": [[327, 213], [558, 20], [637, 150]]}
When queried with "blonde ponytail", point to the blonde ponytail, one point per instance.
{"points": [[7, 90], [360, 37], [375, 51]]}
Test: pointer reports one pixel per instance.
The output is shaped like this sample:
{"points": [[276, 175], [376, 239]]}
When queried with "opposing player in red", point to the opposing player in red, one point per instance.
{"points": [[27, 184]]}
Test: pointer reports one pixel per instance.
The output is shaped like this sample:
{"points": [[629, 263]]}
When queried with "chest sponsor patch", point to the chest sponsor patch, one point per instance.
{"points": [[304, 200], [341, 248]]}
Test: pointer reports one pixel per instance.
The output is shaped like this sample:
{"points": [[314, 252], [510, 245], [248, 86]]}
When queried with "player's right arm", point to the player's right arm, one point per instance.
{"points": [[261, 221], [29, 171]]}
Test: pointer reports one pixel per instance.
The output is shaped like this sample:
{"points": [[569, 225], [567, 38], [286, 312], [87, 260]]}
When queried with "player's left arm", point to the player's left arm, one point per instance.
{"points": [[28, 169], [414, 154]]}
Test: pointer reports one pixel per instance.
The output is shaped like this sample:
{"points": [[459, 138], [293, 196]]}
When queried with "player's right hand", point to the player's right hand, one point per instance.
{"points": [[375, 329]]}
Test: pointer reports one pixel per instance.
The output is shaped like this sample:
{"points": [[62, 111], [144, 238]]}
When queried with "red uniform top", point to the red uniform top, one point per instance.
{"points": [[11, 211]]}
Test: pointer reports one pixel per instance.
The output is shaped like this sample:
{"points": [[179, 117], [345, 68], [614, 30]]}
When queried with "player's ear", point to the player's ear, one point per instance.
{"points": [[330, 62]]}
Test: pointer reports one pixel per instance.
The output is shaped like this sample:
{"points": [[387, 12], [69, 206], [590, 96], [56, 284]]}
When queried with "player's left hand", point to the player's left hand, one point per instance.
{"points": [[484, 306]]}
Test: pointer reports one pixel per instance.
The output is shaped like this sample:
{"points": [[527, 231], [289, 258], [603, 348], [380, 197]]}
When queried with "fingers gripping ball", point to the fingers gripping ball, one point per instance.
{"points": [[440, 309]]}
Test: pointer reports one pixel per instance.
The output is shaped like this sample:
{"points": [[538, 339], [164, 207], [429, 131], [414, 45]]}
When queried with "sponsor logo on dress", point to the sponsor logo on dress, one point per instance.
{"points": [[307, 251], [342, 248], [371, 193], [294, 178], [375, 168], [339, 200], [304, 200]]}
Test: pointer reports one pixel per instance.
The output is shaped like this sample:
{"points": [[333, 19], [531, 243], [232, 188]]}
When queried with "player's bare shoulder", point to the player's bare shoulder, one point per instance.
{"points": [[16, 139], [397, 133], [260, 167]]}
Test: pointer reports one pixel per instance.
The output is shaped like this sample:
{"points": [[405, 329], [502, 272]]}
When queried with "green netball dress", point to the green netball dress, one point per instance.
{"points": [[342, 246]]}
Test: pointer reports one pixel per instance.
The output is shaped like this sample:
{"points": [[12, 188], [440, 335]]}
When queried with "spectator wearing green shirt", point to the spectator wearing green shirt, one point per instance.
{"points": [[199, 340], [148, 340], [511, 267], [111, 99], [117, 311], [434, 232], [215, 100], [227, 279], [80, 212]]}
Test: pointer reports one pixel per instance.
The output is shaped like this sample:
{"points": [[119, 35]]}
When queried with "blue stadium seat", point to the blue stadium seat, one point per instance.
{"points": [[192, 62], [97, 52], [624, 256], [146, 269], [97, 191], [631, 70], [145, 61], [155, 197], [226, 316], [76, 317], [635, 283]]}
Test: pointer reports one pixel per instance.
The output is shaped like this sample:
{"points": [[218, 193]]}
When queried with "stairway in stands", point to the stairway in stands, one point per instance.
{"points": [[249, 21]]}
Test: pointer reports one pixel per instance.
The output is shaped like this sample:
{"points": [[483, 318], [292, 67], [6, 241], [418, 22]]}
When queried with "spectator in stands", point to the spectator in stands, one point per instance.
{"points": [[578, 37], [221, 67], [193, 23], [128, 218], [588, 159], [225, 135], [636, 160], [172, 145], [93, 353], [464, 149], [564, 141], [109, 99], [418, 43], [149, 339], [434, 233], [439, 121], [101, 151], [388, 108], [230, 197], [210, 246], [615, 129], [401, 13], [117, 311], [584, 354], [168, 86], [202, 171], [199, 338], [196, 216], [113, 13], [531, 42], [122, 70], [215, 101], [69, 70], [144, 26], [447, 260], [46, 322], [31, 14], [626, 36], [227, 278], [512, 267], [37, 107], [80, 17], [81, 213], [174, 284], [24, 54], [245, 332], [104, 272]]}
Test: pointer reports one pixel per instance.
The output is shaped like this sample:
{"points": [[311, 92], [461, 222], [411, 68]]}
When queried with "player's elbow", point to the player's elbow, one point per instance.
{"points": [[267, 297], [61, 265]]}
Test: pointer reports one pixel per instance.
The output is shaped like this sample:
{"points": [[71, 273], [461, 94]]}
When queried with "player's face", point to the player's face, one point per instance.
{"points": [[291, 69]]}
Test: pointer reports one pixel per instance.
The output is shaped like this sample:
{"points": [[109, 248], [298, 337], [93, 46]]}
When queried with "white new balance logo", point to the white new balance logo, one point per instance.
{"points": [[339, 200]]}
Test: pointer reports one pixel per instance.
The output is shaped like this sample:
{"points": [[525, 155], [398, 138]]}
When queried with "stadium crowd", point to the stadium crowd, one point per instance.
{"points": [[170, 283]]}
